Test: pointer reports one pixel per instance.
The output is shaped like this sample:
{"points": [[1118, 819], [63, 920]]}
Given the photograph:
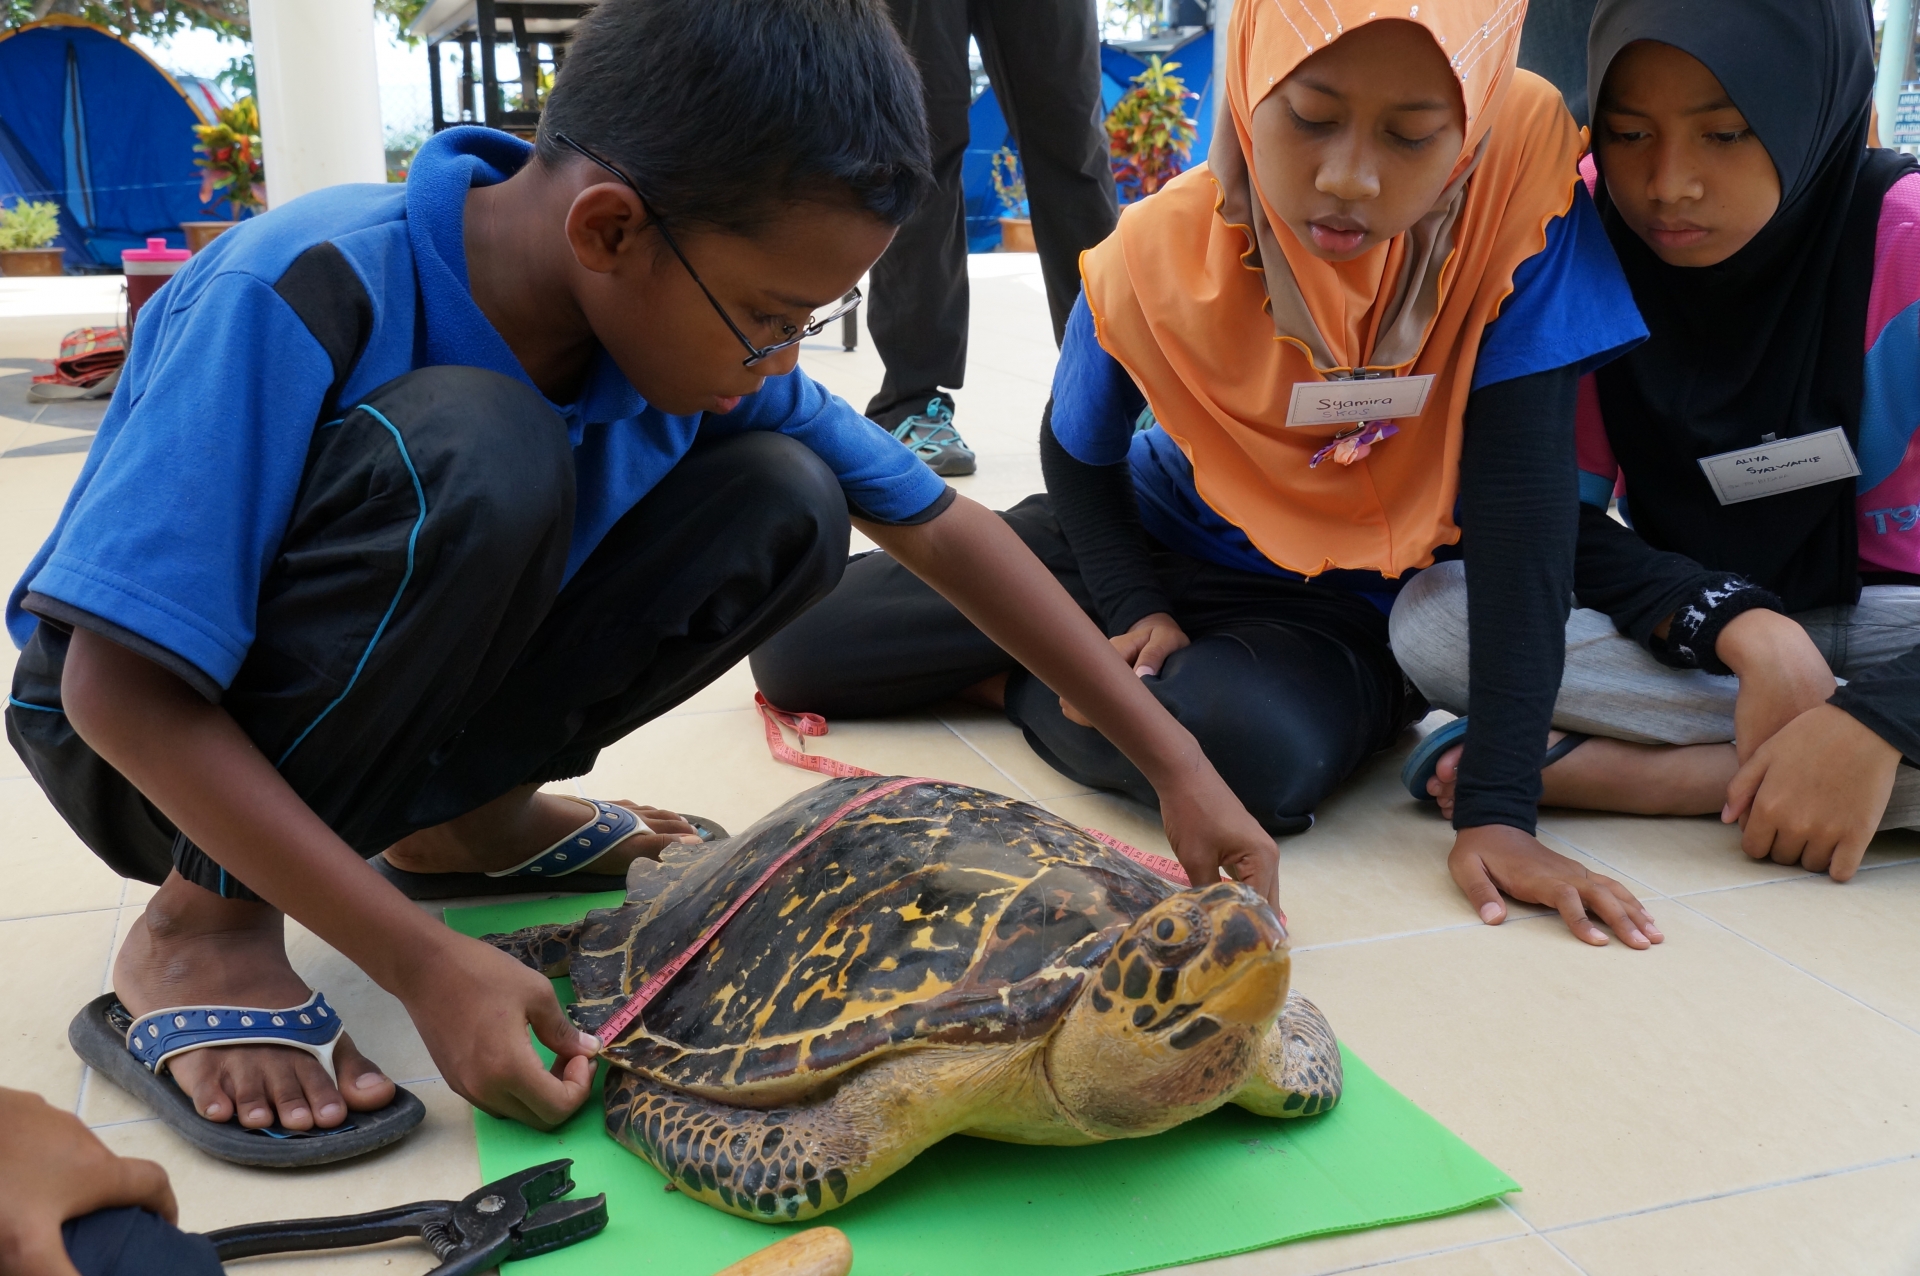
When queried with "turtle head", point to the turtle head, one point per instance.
{"points": [[1167, 1027]]}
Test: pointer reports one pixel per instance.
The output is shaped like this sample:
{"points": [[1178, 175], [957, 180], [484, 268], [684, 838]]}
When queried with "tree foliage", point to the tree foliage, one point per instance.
{"points": [[159, 19]]}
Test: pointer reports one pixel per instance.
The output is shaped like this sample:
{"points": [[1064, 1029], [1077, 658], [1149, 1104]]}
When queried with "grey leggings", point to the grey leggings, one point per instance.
{"points": [[1614, 687]]}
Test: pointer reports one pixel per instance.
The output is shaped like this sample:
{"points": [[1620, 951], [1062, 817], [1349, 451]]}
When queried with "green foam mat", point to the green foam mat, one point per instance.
{"points": [[1225, 1184]]}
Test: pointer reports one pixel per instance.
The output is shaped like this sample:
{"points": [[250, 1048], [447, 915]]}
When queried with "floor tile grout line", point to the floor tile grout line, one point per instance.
{"points": [[1729, 1194], [1415, 934], [1377, 1263], [71, 912], [984, 758], [1540, 1236], [1790, 964], [1805, 877], [1652, 890]]}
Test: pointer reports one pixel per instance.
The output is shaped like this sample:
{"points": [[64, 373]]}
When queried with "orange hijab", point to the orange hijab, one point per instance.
{"points": [[1216, 310]]}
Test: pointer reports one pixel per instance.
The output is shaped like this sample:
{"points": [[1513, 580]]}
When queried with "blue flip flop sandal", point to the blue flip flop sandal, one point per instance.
{"points": [[561, 867], [133, 1052], [1425, 758]]}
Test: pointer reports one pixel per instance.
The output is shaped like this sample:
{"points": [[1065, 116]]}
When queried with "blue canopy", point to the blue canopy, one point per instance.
{"points": [[987, 128], [87, 121]]}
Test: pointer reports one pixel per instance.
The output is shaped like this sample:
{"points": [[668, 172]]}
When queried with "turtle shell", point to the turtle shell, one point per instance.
{"points": [[938, 914]]}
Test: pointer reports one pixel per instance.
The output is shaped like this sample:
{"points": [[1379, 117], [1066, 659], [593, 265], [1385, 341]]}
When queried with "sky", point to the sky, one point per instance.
{"points": [[404, 103]]}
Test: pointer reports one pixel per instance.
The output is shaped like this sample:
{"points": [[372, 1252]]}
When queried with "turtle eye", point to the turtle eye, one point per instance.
{"points": [[1177, 934]]}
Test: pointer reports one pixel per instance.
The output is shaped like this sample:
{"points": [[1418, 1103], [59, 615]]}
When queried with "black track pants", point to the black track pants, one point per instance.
{"points": [[1043, 57], [1288, 687], [417, 654]]}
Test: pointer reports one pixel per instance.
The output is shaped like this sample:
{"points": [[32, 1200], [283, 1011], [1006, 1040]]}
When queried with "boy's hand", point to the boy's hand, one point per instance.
{"points": [[1495, 857], [1210, 835], [473, 1005], [1145, 647], [1814, 793], [52, 1169], [1782, 675]]}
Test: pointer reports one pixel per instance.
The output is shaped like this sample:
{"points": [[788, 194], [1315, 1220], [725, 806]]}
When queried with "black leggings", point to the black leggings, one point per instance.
{"points": [[413, 661], [1287, 686]]}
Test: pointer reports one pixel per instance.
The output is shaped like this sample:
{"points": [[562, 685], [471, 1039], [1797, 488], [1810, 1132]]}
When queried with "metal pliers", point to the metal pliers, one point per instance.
{"points": [[514, 1217]]}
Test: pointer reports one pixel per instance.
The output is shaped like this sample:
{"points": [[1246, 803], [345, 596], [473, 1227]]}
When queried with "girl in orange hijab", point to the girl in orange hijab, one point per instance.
{"points": [[1289, 374]]}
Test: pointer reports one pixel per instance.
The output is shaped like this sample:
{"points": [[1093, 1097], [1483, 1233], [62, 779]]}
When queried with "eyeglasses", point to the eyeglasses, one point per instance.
{"points": [[791, 336]]}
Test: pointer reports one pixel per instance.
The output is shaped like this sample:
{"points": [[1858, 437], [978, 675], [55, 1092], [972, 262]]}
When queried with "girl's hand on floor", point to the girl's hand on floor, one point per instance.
{"points": [[473, 1005], [1813, 795], [53, 1168], [1782, 675], [1495, 858]]}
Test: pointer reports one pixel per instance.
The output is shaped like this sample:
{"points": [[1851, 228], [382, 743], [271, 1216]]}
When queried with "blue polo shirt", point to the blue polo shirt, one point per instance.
{"points": [[186, 494]]}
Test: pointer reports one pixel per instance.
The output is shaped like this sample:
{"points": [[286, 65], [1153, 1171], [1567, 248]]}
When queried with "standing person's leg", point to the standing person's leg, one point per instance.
{"points": [[884, 642], [1288, 689], [917, 293], [1043, 57]]}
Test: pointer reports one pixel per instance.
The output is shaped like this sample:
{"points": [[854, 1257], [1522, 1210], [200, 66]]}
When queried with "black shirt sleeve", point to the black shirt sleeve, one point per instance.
{"points": [[1638, 586], [1100, 517], [1519, 497], [1886, 700]]}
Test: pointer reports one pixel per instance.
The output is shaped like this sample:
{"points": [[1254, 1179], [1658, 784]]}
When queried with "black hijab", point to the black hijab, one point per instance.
{"points": [[1772, 340]]}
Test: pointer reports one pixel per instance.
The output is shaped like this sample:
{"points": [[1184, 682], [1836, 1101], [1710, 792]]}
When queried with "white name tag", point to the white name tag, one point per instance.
{"points": [[1342, 402], [1767, 469]]}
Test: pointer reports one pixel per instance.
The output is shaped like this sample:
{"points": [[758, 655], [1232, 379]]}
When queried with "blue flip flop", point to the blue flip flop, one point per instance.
{"points": [[134, 1051], [561, 867], [1424, 761]]}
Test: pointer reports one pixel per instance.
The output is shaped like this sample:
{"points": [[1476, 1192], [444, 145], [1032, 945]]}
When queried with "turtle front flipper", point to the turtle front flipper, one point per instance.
{"points": [[548, 949], [780, 1165], [1298, 1071]]}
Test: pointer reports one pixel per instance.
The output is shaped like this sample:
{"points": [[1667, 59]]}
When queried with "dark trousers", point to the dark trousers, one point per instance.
{"points": [[1043, 57], [1288, 687], [417, 654]]}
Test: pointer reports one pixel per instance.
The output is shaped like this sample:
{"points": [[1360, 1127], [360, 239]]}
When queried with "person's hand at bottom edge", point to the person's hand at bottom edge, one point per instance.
{"points": [[1496, 858], [52, 1169]]}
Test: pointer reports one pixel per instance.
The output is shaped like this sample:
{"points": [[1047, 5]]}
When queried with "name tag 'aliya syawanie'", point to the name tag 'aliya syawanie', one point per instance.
{"points": [[1783, 465], [1345, 402]]}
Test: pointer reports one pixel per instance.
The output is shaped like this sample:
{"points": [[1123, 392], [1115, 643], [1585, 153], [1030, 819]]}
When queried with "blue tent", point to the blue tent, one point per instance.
{"points": [[988, 132], [88, 121]]}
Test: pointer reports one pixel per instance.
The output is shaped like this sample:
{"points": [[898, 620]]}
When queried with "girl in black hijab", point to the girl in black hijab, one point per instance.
{"points": [[1758, 439]]}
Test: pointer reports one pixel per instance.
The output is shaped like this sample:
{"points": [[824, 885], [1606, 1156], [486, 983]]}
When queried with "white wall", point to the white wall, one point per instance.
{"points": [[319, 91]]}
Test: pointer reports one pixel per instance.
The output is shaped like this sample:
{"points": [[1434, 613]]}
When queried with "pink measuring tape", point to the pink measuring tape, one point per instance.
{"points": [[812, 724]]}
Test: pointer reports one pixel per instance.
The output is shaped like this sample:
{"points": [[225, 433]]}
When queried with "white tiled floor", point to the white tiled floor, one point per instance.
{"points": [[1743, 1099]]}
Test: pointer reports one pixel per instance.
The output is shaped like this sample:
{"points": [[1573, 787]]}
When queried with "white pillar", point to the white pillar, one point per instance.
{"points": [[319, 91], [1222, 15], [1895, 40]]}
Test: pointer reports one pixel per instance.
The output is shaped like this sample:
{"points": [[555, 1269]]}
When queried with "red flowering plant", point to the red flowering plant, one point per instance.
{"points": [[1149, 133], [229, 158]]}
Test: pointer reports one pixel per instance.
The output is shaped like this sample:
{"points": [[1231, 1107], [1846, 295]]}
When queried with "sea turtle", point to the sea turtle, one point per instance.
{"points": [[941, 960]]}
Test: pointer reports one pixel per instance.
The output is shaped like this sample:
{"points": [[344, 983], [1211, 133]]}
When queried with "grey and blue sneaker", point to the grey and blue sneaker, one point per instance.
{"points": [[931, 437]]}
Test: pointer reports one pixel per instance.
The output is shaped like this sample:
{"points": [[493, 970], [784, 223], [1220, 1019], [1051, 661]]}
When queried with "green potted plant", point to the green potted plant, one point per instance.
{"points": [[1010, 185], [1149, 133], [25, 231], [230, 167]]}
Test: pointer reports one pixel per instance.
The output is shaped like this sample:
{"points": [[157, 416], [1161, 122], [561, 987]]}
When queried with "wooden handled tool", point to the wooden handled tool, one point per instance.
{"points": [[818, 1251]]}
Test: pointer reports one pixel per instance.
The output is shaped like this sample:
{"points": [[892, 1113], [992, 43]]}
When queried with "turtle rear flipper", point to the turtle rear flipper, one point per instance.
{"points": [[781, 1165], [548, 949], [1298, 1070]]}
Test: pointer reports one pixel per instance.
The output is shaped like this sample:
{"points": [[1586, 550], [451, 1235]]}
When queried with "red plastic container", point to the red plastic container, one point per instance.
{"points": [[147, 268]]}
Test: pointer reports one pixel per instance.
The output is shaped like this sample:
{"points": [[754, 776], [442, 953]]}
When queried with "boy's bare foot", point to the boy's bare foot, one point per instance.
{"points": [[1614, 775], [522, 823], [191, 947]]}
